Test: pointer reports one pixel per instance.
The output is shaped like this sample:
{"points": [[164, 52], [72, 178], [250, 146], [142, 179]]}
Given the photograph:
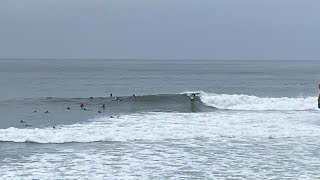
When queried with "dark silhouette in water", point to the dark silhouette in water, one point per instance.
{"points": [[53, 127], [134, 96], [46, 112], [319, 99], [34, 111], [99, 111], [114, 116], [22, 121], [68, 107], [111, 95], [91, 97], [84, 109], [103, 106], [82, 106], [28, 125], [192, 96]]}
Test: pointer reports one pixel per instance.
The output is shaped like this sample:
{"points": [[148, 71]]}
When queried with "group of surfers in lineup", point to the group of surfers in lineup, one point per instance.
{"points": [[83, 108], [192, 96]]}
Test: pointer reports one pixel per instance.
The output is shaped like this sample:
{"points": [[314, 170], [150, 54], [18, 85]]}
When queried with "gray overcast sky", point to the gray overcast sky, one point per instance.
{"points": [[160, 29]]}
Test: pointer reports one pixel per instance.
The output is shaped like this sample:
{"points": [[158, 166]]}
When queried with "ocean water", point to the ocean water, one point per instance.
{"points": [[249, 119]]}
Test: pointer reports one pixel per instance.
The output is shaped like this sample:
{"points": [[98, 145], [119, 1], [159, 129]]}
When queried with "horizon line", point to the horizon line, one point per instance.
{"points": [[159, 59]]}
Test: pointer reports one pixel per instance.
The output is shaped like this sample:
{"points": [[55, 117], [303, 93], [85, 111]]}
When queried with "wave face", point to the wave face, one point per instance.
{"points": [[210, 101], [246, 102], [174, 126]]}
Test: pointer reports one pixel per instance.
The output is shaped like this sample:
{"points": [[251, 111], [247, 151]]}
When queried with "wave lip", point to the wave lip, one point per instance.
{"points": [[247, 102]]}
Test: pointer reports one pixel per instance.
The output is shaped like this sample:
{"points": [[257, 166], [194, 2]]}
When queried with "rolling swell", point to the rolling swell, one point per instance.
{"points": [[126, 104], [203, 102]]}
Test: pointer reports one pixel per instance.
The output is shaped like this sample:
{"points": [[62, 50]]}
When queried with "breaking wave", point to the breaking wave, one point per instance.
{"points": [[173, 126], [247, 102]]}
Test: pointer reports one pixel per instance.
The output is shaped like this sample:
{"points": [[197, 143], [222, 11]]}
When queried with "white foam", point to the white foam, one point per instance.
{"points": [[162, 126], [246, 102]]}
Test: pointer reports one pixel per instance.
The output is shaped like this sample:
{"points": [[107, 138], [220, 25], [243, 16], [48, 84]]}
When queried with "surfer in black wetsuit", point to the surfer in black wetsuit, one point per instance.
{"points": [[192, 96], [117, 99], [22, 121], [82, 106], [46, 112], [319, 99], [103, 106], [133, 96], [68, 108], [111, 95]]}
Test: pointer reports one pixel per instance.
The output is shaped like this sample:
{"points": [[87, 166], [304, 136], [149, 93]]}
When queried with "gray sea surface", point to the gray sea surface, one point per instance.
{"points": [[249, 119]]}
